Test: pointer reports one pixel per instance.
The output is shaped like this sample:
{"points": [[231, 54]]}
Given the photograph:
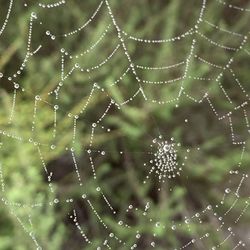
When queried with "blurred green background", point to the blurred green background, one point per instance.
{"points": [[212, 132]]}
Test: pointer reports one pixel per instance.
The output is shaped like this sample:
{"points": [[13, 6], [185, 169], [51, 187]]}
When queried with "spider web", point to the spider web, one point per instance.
{"points": [[167, 159]]}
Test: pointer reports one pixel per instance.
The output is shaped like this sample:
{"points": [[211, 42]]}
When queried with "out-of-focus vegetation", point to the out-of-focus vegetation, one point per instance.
{"points": [[206, 172]]}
